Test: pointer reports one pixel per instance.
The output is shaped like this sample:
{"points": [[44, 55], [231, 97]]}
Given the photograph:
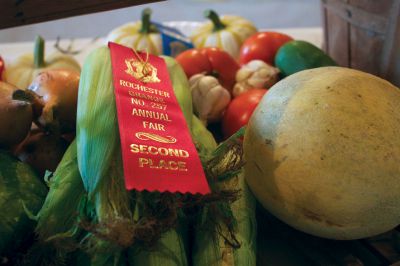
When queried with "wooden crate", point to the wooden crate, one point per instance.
{"points": [[365, 35]]}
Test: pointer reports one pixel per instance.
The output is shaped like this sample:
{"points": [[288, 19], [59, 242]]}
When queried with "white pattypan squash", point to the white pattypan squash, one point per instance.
{"points": [[226, 32], [25, 68], [141, 35]]}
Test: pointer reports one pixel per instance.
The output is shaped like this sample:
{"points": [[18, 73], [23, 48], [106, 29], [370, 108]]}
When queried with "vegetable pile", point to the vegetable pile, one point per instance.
{"points": [[109, 224], [38, 114], [300, 155]]}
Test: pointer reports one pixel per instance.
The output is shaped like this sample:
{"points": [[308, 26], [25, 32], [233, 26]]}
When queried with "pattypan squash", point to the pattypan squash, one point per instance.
{"points": [[141, 35], [226, 32]]}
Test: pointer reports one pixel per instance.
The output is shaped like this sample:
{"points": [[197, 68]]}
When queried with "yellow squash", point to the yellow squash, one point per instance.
{"points": [[226, 32], [22, 72], [141, 35]]}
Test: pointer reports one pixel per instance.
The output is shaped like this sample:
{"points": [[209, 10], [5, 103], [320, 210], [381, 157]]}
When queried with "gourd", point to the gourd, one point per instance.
{"points": [[141, 35], [322, 153], [26, 67], [226, 32]]}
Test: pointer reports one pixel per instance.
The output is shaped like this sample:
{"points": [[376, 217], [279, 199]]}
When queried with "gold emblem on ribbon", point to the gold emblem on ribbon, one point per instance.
{"points": [[155, 137], [141, 70]]}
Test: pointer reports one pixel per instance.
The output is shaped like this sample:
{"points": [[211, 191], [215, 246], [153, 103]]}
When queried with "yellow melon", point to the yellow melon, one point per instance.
{"points": [[322, 153]]}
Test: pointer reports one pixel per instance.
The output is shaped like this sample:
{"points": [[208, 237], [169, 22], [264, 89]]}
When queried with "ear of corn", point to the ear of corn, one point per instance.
{"points": [[100, 163], [57, 221], [170, 250], [99, 157], [97, 125], [60, 209], [244, 210], [202, 138], [210, 246], [211, 249]]}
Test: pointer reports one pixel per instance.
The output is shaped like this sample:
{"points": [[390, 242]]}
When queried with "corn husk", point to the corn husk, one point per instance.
{"points": [[60, 210], [100, 163], [219, 246], [97, 123], [170, 250], [212, 249], [202, 138]]}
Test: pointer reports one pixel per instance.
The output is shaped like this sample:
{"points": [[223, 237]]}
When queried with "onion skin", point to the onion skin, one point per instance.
{"points": [[42, 151], [15, 117], [58, 89]]}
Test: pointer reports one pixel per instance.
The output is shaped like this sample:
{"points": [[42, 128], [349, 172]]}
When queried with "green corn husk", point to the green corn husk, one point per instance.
{"points": [[57, 220], [97, 124], [202, 138], [211, 248], [244, 211], [217, 247], [99, 156], [59, 212], [170, 250]]}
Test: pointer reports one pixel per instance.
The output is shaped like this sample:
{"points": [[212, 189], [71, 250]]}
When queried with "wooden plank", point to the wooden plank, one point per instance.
{"points": [[359, 16], [385, 245], [273, 246], [390, 65], [365, 50], [365, 35], [337, 41], [280, 244], [366, 43], [23, 12]]}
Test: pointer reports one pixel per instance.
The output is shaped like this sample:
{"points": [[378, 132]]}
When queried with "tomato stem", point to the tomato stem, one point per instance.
{"points": [[38, 52], [213, 16]]}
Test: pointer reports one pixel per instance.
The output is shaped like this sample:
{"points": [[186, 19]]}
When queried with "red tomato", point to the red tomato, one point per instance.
{"points": [[262, 46], [211, 61], [1, 67], [240, 110]]}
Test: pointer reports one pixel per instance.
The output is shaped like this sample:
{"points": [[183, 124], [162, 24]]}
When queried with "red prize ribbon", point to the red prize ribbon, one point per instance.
{"points": [[157, 149]]}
